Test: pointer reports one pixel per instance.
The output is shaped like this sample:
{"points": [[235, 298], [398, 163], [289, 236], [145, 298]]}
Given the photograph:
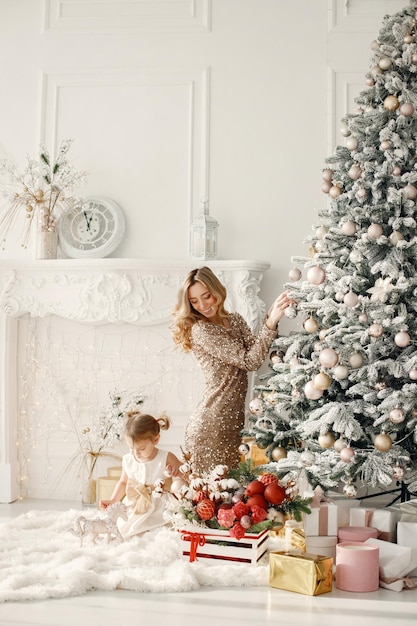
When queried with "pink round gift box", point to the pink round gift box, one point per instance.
{"points": [[356, 533], [357, 566]]}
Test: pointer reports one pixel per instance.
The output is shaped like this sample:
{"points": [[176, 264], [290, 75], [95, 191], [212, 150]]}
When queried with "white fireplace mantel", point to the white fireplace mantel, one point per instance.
{"points": [[134, 291]]}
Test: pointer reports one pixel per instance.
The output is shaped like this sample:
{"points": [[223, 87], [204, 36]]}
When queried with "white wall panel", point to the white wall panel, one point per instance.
{"points": [[146, 134], [109, 16], [356, 16]]}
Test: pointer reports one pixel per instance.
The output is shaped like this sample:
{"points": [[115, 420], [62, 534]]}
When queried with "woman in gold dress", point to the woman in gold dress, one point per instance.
{"points": [[226, 350]]}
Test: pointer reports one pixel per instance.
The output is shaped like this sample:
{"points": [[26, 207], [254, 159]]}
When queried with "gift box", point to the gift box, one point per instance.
{"points": [[395, 564], [325, 546], [293, 534], [217, 546], [384, 520], [407, 536], [309, 574], [343, 507], [357, 567], [357, 533], [322, 521], [407, 511]]}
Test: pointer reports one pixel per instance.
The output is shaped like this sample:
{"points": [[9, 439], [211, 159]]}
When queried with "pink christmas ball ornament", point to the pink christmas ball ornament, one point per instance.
{"points": [[374, 231], [355, 172], [352, 143], [397, 416], [402, 339], [316, 275], [347, 454], [407, 109], [326, 186], [351, 299], [294, 274], [396, 170], [311, 392], [414, 58], [413, 374], [328, 175], [348, 228], [376, 330], [410, 192]]}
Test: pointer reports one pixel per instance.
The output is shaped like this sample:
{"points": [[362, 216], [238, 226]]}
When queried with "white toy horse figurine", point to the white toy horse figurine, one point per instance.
{"points": [[105, 525]]}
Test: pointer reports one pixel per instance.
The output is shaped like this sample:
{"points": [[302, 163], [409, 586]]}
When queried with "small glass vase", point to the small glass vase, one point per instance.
{"points": [[89, 492], [46, 244]]}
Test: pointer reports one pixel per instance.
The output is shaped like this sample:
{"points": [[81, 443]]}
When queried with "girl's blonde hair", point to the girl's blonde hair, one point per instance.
{"points": [[144, 426], [185, 316]]}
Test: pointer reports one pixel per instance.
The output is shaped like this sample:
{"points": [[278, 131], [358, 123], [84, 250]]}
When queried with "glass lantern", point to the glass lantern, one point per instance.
{"points": [[203, 235]]}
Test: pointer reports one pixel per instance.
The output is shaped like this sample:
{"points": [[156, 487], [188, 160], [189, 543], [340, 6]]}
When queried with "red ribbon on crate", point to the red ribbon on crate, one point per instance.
{"points": [[196, 539]]}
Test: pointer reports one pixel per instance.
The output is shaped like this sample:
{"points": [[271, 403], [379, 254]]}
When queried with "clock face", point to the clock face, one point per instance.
{"points": [[92, 230]]}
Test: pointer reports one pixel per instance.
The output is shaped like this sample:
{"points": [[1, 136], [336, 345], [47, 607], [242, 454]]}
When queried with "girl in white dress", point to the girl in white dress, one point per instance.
{"points": [[144, 469]]}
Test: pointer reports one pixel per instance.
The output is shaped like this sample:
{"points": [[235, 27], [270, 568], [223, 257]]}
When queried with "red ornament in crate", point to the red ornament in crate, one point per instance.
{"points": [[205, 509], [267, 479], [274, 493]]}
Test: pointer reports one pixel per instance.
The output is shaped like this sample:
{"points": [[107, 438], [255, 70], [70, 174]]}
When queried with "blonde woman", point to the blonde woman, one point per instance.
{"points": [[226, 350]]}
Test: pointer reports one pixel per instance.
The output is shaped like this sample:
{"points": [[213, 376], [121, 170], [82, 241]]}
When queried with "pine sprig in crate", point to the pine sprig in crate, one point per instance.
{"points": [[241, 501]]}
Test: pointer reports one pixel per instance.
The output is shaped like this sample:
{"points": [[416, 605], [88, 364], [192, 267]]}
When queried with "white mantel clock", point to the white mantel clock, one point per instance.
{"points": [[92, 230]]}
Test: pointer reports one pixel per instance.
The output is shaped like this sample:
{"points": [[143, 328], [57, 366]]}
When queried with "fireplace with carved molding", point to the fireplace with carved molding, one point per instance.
{"points": [[71, 332]]}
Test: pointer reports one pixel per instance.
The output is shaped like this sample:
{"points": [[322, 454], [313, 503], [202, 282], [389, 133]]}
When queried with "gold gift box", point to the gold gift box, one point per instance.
{"points": [[310, 574], [293, 534]]}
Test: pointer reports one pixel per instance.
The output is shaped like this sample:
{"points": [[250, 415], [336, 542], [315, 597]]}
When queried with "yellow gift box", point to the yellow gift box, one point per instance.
{"points": [[310, 574]]}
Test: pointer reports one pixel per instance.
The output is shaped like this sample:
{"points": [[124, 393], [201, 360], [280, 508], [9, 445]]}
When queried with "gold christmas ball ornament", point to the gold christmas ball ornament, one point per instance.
{"points": [[383, 442], [278, 453], [327, 440], [391, 103], [395, 237], [39, 194], [311, 325], [385, 144], [335, 191], [322, 381]]}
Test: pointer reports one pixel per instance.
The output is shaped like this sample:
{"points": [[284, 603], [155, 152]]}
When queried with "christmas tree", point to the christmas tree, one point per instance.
{"points": [[340, 399]]}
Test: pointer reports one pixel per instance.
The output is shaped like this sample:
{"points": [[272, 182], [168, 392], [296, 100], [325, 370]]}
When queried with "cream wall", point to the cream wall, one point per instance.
{"points": [[167, 102]]}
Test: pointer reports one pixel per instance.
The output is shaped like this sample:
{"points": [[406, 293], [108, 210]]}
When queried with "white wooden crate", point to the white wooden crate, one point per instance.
{"points": [[218, 546]]}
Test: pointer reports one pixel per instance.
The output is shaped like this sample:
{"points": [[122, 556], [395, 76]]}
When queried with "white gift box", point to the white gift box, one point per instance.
{"points": [[407, 536], [218, 546], [394, 561], [343, 507], [322, 521], [407, 511], [384, 520]]}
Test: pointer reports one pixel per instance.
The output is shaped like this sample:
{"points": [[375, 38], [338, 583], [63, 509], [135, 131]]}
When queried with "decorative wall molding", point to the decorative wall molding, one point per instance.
{"points": [[128, 291], [69, 16], [360, 16]]}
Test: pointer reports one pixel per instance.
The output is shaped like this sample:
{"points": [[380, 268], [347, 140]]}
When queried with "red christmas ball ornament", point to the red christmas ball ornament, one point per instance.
{"points": [[274, 493], [257, 500], [205, 509], [267, 479], [347, 454], [254, 487]]}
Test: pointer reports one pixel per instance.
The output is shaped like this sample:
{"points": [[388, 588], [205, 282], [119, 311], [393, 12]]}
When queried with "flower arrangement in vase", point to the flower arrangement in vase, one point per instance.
{"points": [[42, 191], [242, 500], [99, 440]]}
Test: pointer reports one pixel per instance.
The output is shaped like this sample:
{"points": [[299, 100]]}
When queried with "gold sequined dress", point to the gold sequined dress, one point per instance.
{"points": [[226, 355]]}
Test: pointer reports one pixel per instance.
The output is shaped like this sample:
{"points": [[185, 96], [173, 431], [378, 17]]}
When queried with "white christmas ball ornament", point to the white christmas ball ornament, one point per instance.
{"points": [[410, 192], [256, 406], [311, 392], [316, 275], [383, 442], [350, 491], [352, 143], [328, 357], [397, 472], [385, 144], [363, 318], [278, 453], [344, 130], [322, 381], [294, 274], [327, 175], [347, 454], [385, 62], [355, 172], [408, 39], [321, 231], [402, 339], [341, 372], [351, 299], [395, 237], [326, 441], [355, 256], [370, 81], [339, 444], [356, 360], [311, 325], [397, 416], [361, 194], [375, 231], [413, 374], [348, 228], [339, 296], [407, 109], [375, 45], [376, 330], [291, 312], [391, 103]]}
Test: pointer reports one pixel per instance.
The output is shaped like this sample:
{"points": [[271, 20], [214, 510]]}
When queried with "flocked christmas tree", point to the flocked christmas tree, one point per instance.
{"points": [[340, 400]]}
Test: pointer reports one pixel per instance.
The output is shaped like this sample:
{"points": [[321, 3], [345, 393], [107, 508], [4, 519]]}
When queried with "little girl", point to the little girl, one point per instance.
{"points": [[143, 469]]}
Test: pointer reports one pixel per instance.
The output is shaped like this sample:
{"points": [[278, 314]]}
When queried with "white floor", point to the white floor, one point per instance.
{"points": [[207, 607]]}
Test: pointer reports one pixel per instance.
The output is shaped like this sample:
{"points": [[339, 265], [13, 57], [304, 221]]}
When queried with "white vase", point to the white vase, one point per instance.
{"points": [[89, 492], [46, 244]]}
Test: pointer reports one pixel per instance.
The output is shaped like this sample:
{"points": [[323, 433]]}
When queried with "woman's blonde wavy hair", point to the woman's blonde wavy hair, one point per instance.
{"points": [[185, 316]]}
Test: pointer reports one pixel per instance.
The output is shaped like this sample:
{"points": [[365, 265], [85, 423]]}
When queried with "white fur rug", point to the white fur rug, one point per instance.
{"points": [[40, 558]]}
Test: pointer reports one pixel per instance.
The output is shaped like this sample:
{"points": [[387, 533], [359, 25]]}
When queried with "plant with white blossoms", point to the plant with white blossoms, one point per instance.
{"points": [[107, 430], [42, 190]]}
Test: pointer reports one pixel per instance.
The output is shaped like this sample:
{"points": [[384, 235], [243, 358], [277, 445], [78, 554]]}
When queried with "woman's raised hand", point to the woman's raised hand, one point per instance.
{"points": [[277, 310]]}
